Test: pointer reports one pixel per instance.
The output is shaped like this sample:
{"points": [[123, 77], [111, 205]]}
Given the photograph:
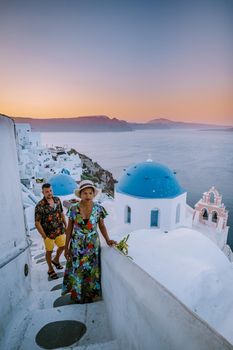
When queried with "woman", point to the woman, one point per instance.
{"points": [[82, 249]]}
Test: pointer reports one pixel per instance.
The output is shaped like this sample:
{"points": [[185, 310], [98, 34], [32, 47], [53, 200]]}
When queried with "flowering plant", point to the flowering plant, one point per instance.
{"points": [[122, 246]]}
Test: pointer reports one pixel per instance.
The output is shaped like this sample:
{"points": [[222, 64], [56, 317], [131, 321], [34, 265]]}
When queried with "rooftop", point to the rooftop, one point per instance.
{"points": [[149, 180], [62, 184]]}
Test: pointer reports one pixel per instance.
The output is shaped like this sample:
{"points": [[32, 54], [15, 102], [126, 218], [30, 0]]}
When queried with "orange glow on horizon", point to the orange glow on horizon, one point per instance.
{"points": [[203, 108]]}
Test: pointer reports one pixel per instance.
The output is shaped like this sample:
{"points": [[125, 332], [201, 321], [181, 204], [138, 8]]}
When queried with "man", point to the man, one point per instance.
{"points": [[51, 223]]}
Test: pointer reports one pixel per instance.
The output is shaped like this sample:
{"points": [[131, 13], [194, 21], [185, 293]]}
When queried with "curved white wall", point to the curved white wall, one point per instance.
{"points": [[14, 252], [141, 210], [144, 315]]}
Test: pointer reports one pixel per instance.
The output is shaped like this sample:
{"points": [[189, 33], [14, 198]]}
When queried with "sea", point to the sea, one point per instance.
{"points": [[200, 158]]}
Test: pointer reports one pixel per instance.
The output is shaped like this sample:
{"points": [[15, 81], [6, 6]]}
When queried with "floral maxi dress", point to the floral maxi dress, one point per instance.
{"points": [[82, 273]]}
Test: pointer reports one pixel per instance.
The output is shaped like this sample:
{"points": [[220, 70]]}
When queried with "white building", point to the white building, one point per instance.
{"points": [[39, 162], [23, 131], [148, 195], [25, 137], [28, 143]]}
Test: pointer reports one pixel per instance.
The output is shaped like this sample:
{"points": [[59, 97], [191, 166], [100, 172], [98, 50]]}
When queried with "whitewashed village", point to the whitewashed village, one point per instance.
{"points": [[173, 291]]}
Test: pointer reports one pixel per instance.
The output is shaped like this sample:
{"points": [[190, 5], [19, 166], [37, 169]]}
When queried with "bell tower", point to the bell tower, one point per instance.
{"points": [[211, 213]]}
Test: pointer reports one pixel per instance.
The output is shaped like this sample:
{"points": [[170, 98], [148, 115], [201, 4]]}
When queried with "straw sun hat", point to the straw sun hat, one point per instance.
{"points": [[86, 184]]}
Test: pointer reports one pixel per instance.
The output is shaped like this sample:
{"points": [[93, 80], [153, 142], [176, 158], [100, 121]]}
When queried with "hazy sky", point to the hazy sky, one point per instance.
{"points": [[133, 60]]}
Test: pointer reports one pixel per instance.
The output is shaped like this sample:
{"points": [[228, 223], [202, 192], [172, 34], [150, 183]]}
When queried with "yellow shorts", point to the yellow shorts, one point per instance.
{"points": [[59, 241]]}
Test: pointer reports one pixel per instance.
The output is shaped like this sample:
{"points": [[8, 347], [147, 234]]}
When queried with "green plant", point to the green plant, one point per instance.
{"points": [[123, 246]]}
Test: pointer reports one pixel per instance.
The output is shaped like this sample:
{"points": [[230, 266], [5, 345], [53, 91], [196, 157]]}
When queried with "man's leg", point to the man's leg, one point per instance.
{"points": [[49, 245], [58, 254], [60, 242], [48, 256]]}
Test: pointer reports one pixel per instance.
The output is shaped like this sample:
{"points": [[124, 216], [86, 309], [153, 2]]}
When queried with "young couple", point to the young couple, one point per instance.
{"points": [[80, 242]]}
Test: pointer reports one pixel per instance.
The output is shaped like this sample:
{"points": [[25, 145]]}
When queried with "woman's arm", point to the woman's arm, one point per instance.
{"points": [[104, 232], [69, 231]]}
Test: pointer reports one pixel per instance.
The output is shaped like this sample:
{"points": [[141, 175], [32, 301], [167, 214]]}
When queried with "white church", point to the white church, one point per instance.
{"points": [[149, 196]]}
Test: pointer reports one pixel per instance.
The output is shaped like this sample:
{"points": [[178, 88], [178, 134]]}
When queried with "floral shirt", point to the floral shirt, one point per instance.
{"points": [[50, 218]]}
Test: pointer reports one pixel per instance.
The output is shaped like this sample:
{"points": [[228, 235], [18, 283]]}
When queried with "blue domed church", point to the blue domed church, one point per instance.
{"points": [[62, 184], [148, 195]]}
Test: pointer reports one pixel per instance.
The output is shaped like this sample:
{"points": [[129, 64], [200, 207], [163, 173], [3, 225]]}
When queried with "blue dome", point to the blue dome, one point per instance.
{"points": [[149, 180], [62, 184]]}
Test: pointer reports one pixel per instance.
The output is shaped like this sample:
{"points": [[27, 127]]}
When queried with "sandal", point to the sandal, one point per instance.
{"points": [[57, 265], [53, 275]]}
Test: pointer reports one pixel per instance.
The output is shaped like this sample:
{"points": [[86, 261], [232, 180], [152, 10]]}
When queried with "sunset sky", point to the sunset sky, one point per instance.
{"points": [[133, 60]]}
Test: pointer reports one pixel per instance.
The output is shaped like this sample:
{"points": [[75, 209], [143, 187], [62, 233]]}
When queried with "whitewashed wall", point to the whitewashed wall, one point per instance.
{"points": [[141, 210], [145, 316], [14, 252]]}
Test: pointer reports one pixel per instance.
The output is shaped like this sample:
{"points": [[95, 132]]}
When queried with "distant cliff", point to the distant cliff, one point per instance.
{"points": [[79, 124], [163, 123], [93, 171], [102, 123]]}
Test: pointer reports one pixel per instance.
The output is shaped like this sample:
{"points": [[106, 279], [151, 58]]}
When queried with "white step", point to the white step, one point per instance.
{"points": [[110, 345]]}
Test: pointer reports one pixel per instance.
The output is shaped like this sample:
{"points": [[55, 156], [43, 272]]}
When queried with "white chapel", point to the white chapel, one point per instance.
{"points": [[148, 195]]}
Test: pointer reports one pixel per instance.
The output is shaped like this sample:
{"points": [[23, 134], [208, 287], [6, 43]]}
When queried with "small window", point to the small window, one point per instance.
{"points": [[154, 218], [214, 216], [127, 214], [212, 198], [178, 213], [205, 215]]}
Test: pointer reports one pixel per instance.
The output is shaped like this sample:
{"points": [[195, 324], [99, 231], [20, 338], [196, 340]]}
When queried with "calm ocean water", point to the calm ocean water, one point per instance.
{"points": [[201, 158]]}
